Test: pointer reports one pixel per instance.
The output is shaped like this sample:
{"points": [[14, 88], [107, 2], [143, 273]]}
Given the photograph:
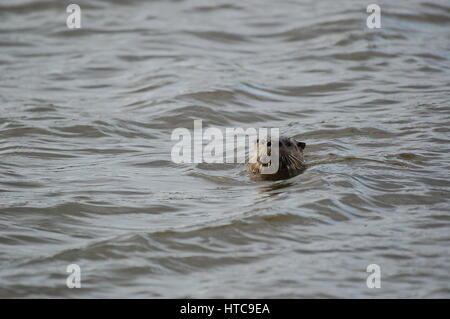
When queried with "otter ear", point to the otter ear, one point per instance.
{"points": [[301, 145]]}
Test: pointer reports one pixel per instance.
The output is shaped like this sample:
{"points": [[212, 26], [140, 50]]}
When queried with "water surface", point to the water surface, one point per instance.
{"points": [[85, 139]]}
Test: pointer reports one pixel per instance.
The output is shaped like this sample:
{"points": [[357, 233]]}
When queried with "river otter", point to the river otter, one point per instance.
{"points": [[290, 157]]}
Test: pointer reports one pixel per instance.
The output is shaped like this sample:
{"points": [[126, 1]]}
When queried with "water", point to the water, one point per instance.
{"points": [[86, 176]]}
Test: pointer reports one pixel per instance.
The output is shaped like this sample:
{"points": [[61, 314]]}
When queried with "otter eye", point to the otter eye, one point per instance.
{"points": [[257, 140], [280, 144], [269, 143]]}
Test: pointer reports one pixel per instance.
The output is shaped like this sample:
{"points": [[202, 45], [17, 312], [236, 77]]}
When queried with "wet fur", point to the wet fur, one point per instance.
{"points": [[291, 160]]}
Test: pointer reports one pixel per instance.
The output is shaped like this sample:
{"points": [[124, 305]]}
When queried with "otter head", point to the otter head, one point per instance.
{"points": [[273, 159]]}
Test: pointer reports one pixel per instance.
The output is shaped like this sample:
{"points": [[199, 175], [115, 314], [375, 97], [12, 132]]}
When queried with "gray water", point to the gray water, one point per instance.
{"points": [[86, 175]]}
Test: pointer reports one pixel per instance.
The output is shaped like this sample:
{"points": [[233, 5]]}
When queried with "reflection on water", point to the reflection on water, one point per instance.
{"points": [[273, 187], [85, 170]]}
